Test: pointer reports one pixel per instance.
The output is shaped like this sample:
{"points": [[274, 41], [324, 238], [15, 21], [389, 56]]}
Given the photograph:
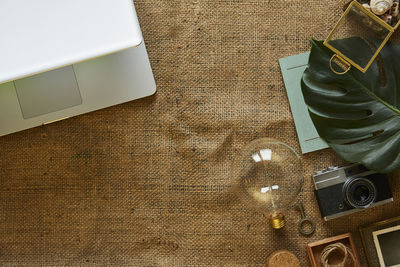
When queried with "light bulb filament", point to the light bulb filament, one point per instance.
{"points": [[263, 155]]}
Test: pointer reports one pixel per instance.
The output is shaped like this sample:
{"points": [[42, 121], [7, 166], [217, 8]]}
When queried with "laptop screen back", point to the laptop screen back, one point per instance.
{"points": [[41, 35]]}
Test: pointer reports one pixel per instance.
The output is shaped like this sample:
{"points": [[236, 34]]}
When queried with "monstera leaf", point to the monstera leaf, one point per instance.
{"points": [[357, 114]]}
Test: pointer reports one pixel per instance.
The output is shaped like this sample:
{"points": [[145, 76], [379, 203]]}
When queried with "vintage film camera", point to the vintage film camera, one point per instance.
{"points": [[344, 190]]}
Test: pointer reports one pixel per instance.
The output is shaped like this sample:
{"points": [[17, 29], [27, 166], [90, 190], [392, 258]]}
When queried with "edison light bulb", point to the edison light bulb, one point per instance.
{"points": [[268, 175]]}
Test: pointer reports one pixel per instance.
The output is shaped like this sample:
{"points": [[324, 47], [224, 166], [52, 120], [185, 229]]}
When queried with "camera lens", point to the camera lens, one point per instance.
{"points": [[359, 193]]}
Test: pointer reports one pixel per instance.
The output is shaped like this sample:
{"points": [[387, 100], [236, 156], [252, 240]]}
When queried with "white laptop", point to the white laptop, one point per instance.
{"points": [[67, 57]]}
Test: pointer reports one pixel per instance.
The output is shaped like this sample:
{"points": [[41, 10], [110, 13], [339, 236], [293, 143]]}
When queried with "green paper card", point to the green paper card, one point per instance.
{"points": [[292, 70]]}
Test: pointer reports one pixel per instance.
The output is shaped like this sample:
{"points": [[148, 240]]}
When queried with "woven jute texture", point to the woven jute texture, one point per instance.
{"points": [[148, 183]]}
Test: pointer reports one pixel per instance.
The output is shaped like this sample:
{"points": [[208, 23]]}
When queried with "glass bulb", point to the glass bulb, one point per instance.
{"points": [[268, 175]]}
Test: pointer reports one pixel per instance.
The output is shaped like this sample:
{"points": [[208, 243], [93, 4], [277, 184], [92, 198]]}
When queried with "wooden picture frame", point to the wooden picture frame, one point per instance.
{"points": [[377, 237]]}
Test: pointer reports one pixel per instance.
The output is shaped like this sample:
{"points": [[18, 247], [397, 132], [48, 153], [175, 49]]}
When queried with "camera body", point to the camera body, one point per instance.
{"points": [[344, 190]]}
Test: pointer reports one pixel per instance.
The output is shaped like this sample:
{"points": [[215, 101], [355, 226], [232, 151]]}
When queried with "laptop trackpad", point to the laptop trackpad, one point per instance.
{"points": [[48, 92]]}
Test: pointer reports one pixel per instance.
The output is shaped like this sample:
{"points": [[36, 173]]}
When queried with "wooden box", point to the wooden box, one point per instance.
{"points": [[314, 249]]}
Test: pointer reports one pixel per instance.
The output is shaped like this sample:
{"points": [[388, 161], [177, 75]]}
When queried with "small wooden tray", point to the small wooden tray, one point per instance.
{"points": [[314, 249]]}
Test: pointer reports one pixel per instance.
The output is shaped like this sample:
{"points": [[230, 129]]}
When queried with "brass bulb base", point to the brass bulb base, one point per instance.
{"points": [[277, 220]]}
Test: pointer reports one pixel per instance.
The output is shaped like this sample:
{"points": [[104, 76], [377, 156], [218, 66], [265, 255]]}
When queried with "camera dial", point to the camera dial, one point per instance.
{"points": [[359, 193]]}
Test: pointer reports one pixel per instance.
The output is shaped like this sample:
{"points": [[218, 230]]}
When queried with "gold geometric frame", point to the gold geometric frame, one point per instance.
{"points": [[344, 58]]}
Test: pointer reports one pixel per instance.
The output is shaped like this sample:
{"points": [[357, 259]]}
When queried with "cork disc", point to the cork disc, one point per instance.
{"points": [[282, 258]]}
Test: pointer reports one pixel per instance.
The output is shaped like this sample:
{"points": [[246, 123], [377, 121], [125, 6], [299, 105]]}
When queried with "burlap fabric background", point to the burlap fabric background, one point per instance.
{"points": [[147, 183]]}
